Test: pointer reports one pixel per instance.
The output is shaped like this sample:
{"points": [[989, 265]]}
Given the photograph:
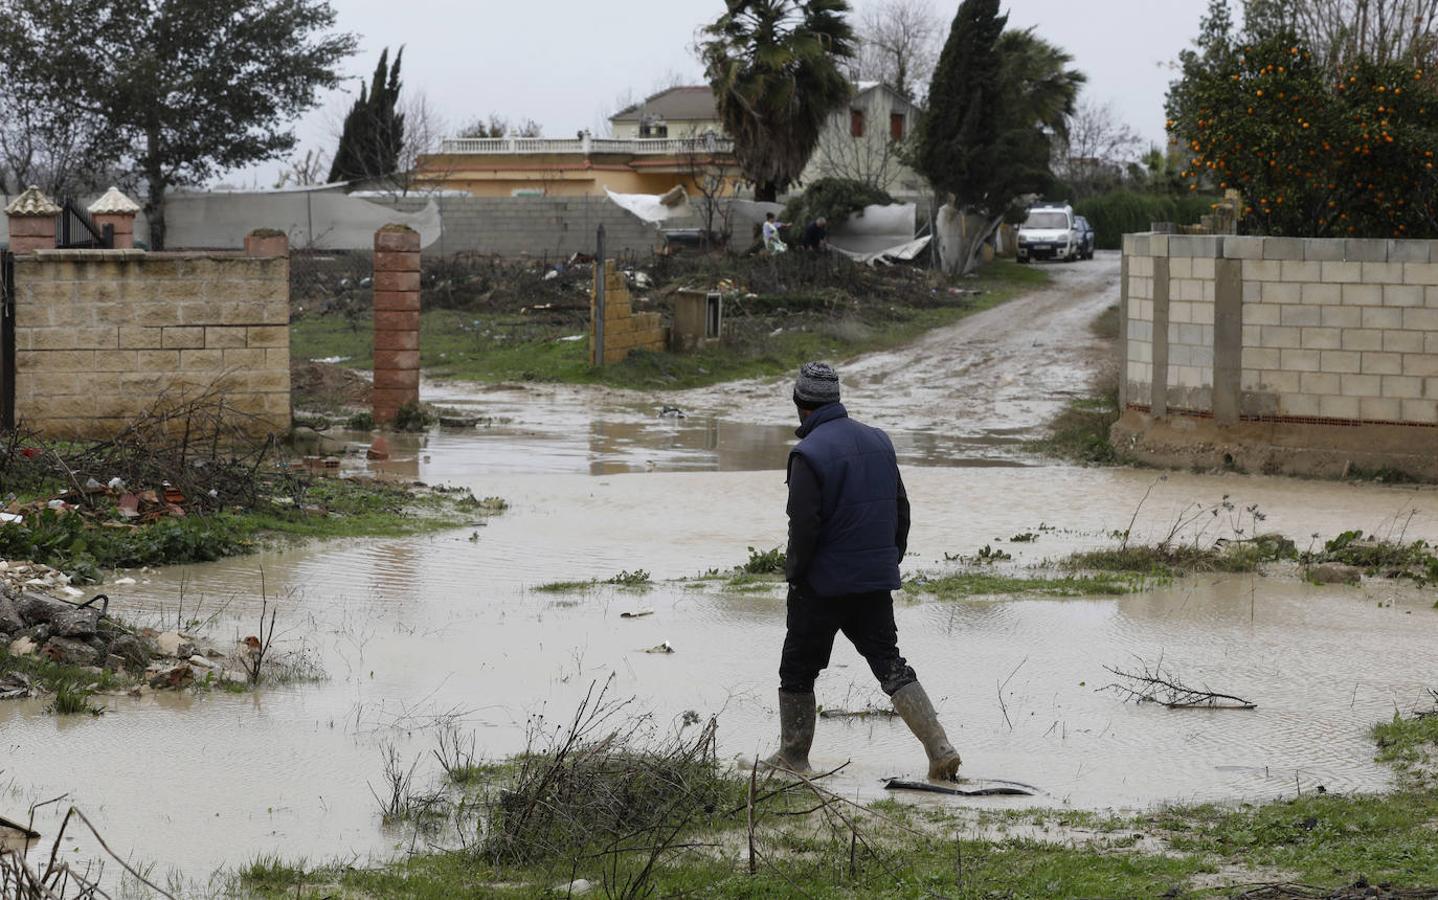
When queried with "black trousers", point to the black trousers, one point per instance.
{"points": [[867, 620]]}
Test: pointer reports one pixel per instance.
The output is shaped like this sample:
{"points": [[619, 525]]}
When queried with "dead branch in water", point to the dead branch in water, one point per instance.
{"points": [[1153, 685], [57, 880]]}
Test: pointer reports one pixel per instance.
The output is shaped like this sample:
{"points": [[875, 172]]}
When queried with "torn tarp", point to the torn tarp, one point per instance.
{"points": [[879, 233], [655, 209]]}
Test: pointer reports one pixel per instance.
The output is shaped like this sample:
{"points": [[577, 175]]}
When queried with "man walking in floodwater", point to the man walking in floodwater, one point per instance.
{"points": [[848, 530]]}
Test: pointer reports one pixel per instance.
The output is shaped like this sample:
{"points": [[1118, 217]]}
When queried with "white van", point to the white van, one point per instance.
{"points": [[1049, 232]]}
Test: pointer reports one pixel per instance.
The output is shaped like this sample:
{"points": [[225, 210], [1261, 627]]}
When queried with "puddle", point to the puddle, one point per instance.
{"points": [[418, 631]]}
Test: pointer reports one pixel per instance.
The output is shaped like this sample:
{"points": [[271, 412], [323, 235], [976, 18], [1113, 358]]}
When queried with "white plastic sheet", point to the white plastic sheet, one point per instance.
{"points": [[655, 209]]}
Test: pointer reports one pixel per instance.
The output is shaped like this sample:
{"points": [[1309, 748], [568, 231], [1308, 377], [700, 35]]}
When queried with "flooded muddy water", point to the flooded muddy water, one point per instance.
{"points": [[444, 628], [450, 629]]}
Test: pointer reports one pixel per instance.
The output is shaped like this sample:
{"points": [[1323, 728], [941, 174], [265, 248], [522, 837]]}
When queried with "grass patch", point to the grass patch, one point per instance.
{"points": [[612, 800], [963, 585], [508, 346], [51, 676], [1080, 432], [1170, 560], [83, 546]]}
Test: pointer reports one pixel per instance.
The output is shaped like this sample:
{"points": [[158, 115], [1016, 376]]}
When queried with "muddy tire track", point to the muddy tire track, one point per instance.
{"points": [[995, 377]]}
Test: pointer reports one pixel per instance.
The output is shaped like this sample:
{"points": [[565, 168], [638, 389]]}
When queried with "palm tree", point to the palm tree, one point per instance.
{"points": [[1038, 87], [774, 67]]}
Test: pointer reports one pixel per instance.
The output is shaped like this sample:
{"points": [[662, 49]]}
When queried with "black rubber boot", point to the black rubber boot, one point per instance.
{"points": [[796, 733], [912, 703]]}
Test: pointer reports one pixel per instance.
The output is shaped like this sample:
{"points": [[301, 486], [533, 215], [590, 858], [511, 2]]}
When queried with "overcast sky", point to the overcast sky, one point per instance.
{"points": [[564, 63]]}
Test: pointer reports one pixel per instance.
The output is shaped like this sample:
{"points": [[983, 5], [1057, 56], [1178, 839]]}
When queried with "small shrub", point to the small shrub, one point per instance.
{"points": [[637, 578], [72, 698], [765, 562], [360, 421], [412, 417]]}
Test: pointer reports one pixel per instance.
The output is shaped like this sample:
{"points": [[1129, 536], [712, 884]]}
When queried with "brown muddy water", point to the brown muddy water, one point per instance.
{"points": [[448, 628]]}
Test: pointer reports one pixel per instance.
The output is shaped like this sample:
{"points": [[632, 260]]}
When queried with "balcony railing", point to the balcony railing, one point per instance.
{"points": [[588, 145]]}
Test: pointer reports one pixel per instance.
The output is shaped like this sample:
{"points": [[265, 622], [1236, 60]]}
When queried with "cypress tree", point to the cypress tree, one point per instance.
{"points": [[373, 131]]}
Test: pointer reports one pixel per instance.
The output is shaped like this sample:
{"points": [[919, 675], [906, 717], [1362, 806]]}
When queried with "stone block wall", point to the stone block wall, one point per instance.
{"points": [[624, 329], [1285, 332], [103, 335]]}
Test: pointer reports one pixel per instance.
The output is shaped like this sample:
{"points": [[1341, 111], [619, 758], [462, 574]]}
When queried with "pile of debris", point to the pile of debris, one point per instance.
{"points": [[96, 500], [82, 635]]}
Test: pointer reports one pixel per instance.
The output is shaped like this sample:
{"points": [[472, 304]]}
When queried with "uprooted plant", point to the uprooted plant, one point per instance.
{"points": [[1151, 683]]}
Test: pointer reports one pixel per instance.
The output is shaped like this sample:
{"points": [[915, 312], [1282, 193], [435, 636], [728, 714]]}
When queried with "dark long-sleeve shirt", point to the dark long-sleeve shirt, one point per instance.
{"points": [[806, 518]]}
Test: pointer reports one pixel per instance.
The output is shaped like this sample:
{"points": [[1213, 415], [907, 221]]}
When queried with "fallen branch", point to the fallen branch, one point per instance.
{"points": [[1153, 685]]}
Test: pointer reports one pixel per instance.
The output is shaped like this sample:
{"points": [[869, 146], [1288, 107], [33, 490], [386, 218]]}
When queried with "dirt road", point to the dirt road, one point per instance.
{"points": [[993, 377]]}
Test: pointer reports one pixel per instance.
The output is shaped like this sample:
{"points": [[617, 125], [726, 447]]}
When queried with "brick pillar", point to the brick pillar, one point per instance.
{"points": [[32, 222], [267, 242], [117, 211], [396, 320]]}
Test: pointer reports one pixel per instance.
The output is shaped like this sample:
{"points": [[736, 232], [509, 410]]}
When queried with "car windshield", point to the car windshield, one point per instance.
{"points": [[1047, 219]]}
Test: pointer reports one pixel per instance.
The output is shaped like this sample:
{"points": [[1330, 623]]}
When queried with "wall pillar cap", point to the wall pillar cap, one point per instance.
{"points": [[32, 202], [114, 203]]}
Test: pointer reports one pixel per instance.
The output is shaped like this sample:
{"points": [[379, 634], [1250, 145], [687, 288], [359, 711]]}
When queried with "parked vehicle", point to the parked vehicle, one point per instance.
{"points": [[1086, 237], [1049, 232]]}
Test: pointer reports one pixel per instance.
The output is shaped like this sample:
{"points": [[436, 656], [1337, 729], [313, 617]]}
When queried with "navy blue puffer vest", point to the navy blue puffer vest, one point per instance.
{"points": [[859, 478]]}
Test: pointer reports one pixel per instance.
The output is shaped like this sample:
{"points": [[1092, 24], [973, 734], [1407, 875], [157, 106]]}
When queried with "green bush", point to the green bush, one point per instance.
{"points": [[1118, 213], [65, 541], [834, 199]]}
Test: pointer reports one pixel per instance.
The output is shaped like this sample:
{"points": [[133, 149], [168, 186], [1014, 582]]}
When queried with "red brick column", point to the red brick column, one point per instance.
{"points": [[396, 320], [266, 242], [32, 222]]}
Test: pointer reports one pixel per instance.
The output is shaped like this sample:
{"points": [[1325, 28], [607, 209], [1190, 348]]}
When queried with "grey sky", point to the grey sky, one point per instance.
{"points": [[564, 62]]}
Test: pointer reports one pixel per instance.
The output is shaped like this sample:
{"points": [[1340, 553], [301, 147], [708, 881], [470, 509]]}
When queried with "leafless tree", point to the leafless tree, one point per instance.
{"points": [[304, 171], [899, 44], [51, 145], [1099, 148], [1344, 31], [497, 126], [872, 159], [717, 182]]}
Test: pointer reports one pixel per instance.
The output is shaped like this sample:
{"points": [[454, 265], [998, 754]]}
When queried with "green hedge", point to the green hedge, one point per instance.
{"points": [[1117, 213]]}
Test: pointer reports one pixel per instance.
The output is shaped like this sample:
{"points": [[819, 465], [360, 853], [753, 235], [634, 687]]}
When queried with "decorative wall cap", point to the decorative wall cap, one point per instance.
{"points": [[32, 203], [114, 203]]}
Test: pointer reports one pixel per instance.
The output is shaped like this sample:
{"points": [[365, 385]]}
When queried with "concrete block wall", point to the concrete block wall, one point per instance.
{"points": [[624, 329], [103, 335], [1338, 332], [533, 226]]}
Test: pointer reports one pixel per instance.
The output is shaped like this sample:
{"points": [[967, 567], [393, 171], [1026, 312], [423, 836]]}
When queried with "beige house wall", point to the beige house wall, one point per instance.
{"points": [[872, 158], [102, 336]]}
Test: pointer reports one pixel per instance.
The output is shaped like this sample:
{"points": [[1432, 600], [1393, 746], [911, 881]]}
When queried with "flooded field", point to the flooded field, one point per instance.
{"points": [[448, 630], [415, 633]]}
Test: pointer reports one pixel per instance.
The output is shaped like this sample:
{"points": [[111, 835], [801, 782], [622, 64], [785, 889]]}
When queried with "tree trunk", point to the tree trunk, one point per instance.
{"points": [[766, 192], [960, 246], [155, 210]]}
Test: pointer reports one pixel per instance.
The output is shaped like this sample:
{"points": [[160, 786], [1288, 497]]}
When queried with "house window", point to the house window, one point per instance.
{"points": [[654, 130], [856, 123], [896, 126]]}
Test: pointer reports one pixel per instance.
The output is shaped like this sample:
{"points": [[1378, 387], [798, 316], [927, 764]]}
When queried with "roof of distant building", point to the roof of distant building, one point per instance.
{"points": [[686, 103]]}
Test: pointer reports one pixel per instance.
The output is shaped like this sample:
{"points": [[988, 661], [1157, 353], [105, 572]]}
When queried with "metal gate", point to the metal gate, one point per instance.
{"points": [[7, 340], [75, 230]]}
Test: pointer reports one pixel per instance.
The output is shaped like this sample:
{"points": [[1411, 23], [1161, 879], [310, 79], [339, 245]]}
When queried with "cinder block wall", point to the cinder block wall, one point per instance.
{"points": [[102, 335], [624, 329], [1254, 329], [533, 226]]}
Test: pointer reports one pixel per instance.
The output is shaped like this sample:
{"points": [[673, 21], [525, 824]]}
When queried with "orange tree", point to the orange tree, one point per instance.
{"points": [[1315, 152]]}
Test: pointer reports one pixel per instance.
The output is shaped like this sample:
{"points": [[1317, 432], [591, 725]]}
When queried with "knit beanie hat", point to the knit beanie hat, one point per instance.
{"points": [[818, 385]]}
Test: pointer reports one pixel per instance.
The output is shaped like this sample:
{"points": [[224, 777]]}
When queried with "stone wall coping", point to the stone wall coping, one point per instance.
{"points": [[134, 255], [1375, 250]]}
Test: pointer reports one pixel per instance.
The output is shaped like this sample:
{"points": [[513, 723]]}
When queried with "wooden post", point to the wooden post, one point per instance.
{"points": [[599, 278]]}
